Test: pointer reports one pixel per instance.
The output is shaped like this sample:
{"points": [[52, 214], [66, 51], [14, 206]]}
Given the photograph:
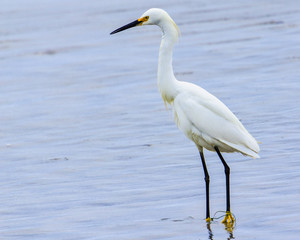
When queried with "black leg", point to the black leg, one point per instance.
{"points": [[227, 173], [206, 178]]}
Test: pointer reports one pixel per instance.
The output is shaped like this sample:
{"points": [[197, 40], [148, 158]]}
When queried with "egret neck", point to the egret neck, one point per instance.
{"points": [[167, 83]]}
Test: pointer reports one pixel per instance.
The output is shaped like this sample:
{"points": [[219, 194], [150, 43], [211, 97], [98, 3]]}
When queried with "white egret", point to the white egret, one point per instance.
{"points": [[202, 117]]}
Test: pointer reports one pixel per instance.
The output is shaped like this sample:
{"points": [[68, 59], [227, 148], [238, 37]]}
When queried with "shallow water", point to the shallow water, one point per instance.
{"points": [[88, 150]]}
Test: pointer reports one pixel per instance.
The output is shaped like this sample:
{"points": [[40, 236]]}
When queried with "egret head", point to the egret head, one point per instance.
{"points": [[153, 16]]}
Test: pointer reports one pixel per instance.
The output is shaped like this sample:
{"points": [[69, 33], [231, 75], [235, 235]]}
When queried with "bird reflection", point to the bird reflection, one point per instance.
{"points": [[210, 233], [228, 227]]}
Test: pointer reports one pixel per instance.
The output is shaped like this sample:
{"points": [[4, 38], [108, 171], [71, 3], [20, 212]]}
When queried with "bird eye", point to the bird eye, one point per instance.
{"points": [[146, 18]]}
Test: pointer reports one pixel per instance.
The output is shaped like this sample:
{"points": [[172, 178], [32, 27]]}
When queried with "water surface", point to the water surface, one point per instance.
{"points": [[88, 150]]}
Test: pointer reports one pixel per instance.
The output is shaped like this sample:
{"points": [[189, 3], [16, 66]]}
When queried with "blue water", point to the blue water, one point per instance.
{"points": [[88, 150]]}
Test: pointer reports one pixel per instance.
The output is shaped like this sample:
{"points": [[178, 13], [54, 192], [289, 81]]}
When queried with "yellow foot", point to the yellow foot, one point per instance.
{"points": [[228, 218], [208, 220]]}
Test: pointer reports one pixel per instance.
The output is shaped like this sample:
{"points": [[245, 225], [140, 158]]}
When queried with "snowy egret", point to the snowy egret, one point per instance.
{"points": [[202, 117]]}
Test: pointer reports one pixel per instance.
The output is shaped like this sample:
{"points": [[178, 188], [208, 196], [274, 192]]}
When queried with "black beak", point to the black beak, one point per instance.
{"points": [[129, 25]]}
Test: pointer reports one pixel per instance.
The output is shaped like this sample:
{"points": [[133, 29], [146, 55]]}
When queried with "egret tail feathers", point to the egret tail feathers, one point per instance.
{"points": [[242, 149]]}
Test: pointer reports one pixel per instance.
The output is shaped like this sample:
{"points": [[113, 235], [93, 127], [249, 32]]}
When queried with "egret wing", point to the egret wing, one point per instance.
{"points": [[212, 118]]}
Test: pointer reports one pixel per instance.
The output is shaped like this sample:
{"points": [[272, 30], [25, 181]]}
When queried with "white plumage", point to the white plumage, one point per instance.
{"points": [[202, 117], [208, 122]]}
